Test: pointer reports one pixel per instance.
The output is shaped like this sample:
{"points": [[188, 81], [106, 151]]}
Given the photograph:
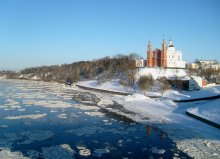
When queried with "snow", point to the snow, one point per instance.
{"points": [[210, 111], [109, 85], [160, 72], [184, 95], [144, 106], [193, 137]]}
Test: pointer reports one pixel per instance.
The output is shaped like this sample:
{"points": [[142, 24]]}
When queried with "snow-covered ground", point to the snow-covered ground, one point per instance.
{"points": [[109, 85], [204, 92], [160, 72], [209, 111], [195, 138]]}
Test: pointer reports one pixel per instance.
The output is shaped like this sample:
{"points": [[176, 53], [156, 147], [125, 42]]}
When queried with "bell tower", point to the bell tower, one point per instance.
{"points": [[164, 54], [149, 55]]}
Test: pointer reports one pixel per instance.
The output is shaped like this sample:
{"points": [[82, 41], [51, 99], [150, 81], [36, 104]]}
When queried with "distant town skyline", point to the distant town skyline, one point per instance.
{"points": [[50, 32]]}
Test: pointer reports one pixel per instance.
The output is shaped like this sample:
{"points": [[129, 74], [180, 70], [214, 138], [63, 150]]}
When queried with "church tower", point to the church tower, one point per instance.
{"points": [[164, 54], [149, 55]]}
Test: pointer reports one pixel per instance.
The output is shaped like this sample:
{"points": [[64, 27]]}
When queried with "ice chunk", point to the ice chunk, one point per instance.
{"points": [[58, 152], [3, 126], [157, 151], [29, 136], [95, 114], [85, 152], [62, 116], [6, 153], [32, 116], [100, 152]]}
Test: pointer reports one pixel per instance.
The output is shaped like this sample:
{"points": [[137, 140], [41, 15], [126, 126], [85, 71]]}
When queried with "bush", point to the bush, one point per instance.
{"points": [[165, 85], [145, 82]]}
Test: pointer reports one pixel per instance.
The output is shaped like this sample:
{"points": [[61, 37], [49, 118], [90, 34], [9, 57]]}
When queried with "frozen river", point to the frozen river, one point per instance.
{"points": [[45, 120]]}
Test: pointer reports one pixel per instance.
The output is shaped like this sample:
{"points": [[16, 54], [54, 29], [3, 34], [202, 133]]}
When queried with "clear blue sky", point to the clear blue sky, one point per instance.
{"points": [[46, 32]]}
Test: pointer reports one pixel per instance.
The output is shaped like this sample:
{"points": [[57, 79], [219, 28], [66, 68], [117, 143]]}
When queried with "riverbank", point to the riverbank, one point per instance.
{"points": [[195, 138], [49, 120]]}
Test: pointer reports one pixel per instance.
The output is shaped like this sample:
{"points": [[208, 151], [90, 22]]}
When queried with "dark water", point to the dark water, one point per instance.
{"points": [[88, 131]]}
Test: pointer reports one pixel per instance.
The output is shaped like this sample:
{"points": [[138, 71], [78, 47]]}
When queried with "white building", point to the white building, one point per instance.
{"points": [[140, 62], [174, 57]]}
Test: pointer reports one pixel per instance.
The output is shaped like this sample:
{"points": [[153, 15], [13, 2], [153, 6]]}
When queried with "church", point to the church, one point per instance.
{"points": [[167, 57]]}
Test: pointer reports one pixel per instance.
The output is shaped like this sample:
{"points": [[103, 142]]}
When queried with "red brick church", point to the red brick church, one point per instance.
{"points": [[167, 57]]}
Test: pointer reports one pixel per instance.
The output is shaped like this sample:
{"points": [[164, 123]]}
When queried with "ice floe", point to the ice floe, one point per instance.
{"points": [[27, 136], [86, 107], [62, 116], [48, 103], [6, 153], [200, 148], [100, 114], [31, 116], [83, 151], [100, 152], [33, 154], [4, 126], [157, 151], [95, 129], [58, 152], [11, 102]]}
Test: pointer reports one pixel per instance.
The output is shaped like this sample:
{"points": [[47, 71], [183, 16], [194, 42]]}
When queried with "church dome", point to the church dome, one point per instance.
{"points": [[170, 43]]}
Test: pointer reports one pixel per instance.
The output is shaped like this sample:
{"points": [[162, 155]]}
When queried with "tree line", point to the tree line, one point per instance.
{"points": [[107, 68]]}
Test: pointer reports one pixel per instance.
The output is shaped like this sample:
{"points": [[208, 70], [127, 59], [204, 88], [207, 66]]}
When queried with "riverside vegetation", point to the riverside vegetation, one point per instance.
{"points": [[120, 66]]}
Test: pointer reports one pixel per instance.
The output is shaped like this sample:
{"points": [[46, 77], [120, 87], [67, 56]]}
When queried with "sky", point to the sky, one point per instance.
{"points": [[50, 32]]}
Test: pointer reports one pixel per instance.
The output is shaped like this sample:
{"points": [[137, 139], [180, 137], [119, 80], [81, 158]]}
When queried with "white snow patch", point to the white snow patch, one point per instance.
{"points": [[161, 72]]}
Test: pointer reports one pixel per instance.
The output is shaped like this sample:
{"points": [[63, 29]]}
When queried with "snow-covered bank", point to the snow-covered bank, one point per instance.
{"points": [[193, 137], [109, 86], [209, 111], [186, 95]]}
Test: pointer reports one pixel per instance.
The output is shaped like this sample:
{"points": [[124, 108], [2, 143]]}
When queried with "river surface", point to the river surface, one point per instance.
{"points": [[43, 120]]}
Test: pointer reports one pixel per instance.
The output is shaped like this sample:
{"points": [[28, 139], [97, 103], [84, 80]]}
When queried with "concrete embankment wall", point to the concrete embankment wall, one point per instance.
{"points": [[101, 90], [197, 99], [203, 120]]}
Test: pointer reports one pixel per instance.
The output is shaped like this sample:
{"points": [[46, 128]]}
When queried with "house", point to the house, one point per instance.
{"points": [[192, 65], [139, 63], [187, 83]]}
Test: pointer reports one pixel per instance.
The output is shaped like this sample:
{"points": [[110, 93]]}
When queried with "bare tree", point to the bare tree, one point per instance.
{"points": [[165, 85], [145, 82]]}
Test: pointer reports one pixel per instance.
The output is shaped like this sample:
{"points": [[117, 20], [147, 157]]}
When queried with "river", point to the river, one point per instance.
{"points": [[45, 120]]}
